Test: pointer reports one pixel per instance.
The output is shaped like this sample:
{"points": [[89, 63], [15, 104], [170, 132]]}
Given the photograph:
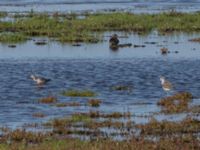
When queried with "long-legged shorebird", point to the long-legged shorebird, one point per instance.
{"points": [[39, 80], [166, 85]]}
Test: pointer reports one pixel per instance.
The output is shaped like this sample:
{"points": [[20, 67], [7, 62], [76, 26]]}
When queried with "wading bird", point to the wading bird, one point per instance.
{"points": [[39, 80], [166, 85]]}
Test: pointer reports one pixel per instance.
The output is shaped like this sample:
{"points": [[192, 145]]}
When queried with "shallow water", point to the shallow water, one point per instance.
{"points": [[54, 50], [97, 68], [80, 6]]}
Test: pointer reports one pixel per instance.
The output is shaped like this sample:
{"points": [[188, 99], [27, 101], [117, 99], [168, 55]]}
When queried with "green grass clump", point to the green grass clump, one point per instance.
{"points": [[80, 118], [12, 38], [78, 93], [74, 36]]}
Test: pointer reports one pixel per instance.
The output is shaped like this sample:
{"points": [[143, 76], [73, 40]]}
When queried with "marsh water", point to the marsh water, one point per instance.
{"points": [[96, 67], [91, 6]]}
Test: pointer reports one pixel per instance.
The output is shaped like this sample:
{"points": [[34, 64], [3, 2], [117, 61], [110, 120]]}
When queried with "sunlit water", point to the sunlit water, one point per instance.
{"points": [[97, 68], [80, 6]]}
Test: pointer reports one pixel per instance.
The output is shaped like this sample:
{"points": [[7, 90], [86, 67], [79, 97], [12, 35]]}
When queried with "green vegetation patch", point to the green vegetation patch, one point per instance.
{"points": [[78, 117], [12, 37], [78, 93], [71, 29]]}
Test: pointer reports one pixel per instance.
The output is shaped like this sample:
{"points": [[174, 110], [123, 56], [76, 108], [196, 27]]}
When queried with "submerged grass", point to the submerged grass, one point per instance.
{"points": [[121, 88], [94, 102], [20, 135], [66, 104], [195, 40], [48, 100], [113, 115], [88, 29], [39, 115], [78, 93]]}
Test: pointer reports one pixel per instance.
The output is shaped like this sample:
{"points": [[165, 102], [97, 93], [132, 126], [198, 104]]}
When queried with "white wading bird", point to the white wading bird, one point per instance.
{"points": [[39, 80]]}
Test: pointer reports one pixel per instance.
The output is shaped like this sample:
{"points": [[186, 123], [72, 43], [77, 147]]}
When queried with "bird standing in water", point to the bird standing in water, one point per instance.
{"points": [[39, 80], [166, 85]]}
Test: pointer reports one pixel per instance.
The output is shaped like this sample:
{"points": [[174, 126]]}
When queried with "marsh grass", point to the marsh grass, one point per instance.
{"points": [[169, 135], [36, 141], [176, 103], [12, 38], [23, 135], [80, 118], [113, 115], [108, 144], [109, 124], [79, 93], [89, 29], [165, 128]]}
